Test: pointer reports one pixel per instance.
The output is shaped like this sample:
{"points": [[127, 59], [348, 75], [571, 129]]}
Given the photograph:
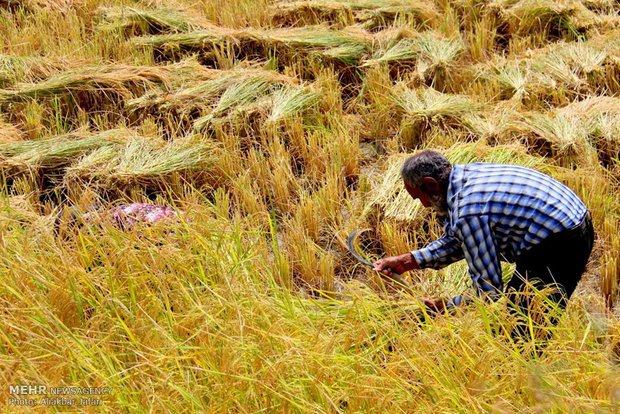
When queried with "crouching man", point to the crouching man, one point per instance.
{"points": [[496, 212]]}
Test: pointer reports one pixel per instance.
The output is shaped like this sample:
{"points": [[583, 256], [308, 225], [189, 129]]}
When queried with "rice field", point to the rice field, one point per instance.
{"points": [[277, 128]]}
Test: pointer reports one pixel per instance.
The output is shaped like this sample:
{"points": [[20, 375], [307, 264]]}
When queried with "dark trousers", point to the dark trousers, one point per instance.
{"points": [[558, 261]]}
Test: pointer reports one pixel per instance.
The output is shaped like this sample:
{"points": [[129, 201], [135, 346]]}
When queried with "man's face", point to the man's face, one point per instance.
{"points": [[433, 199]]}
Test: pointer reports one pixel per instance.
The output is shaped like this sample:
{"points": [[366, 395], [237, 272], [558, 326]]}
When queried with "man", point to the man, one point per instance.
{"points": [[496, 212]]}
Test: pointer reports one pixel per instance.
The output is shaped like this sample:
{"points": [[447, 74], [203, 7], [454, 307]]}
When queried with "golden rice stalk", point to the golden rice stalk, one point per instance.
{"points": [[527, 17], [340, 45], [121, 80], [568, 136], [304, 13], [288, 101], [31, 69], [56, 152], [142, 161], [149, 21]]}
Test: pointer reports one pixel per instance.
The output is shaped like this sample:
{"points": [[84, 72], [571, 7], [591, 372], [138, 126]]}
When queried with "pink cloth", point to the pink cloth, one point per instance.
{"points": [[127, 215]]}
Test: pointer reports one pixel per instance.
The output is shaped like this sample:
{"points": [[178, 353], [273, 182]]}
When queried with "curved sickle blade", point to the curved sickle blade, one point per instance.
{"points": [[351, 246]]}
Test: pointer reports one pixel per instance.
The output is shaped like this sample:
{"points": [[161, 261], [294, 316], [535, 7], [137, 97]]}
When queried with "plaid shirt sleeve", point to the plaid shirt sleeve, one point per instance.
{"points": [[480, 250], [439, 253]]}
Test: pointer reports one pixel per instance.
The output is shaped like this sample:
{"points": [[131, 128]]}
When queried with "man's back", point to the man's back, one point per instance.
{"points": [[523, 206]]}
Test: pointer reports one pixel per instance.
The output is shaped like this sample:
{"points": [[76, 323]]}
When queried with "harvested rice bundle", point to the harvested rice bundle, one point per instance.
{"points": [[133, 21], [549, 18], [54, 152], [334, 45], [271, 102], [370, 15], [144, 162], [29, 69], [566, 137], [305, 13], [389, 196], [425, 108], [117, 80], [288, 101], [377, 15], [186, 104], [432, 55], [492, 126]]}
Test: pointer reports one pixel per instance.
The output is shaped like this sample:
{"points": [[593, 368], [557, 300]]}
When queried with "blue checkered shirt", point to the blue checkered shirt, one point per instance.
{"points": [[496, 211]]}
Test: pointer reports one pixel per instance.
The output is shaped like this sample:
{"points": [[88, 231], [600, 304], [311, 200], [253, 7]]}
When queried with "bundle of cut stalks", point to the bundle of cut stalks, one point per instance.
{"points": [[146, 162], [548, 17], [430, 48], [117, 80], [135, 21], [55, 152], [370, 15], [557, 73], [31, 69], [433, 56], [256, 95], [564, 136], [601, 115], [230, 92], [343, 46], [425, 108]]}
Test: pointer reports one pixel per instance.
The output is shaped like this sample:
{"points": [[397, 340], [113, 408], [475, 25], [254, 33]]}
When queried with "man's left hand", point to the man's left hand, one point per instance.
{"points": [[434, 306]]}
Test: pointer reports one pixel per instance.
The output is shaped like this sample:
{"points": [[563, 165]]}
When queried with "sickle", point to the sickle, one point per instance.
{"points": [[351, 247]]}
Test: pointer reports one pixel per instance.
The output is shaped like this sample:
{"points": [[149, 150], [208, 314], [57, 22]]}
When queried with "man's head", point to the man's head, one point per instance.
{"points": [[425, 176]]}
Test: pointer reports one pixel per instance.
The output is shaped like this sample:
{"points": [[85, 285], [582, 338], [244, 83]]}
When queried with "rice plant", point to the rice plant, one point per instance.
{"points": [[148, 21]]}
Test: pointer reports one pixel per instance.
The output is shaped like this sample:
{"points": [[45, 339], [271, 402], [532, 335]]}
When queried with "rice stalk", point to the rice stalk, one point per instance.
{"points": [[567, 136], [119, 80], [55, 152], [340, 45], [288, 101], [546, 17], [236, 95], [142, 161], [148, 21]]}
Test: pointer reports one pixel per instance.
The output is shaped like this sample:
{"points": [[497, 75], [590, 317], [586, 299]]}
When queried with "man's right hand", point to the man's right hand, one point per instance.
{"points": [[399, 264]]}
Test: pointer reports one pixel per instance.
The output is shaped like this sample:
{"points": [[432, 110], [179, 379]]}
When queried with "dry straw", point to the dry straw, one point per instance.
{"points": [[149, 21], [55, 152], [142, 161]]}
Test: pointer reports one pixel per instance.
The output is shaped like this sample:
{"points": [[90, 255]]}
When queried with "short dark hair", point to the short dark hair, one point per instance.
{"points": [[427, 163]]}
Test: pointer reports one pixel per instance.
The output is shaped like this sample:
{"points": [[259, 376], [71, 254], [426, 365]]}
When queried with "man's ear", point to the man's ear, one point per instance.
{"points": [[430, 185]]}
